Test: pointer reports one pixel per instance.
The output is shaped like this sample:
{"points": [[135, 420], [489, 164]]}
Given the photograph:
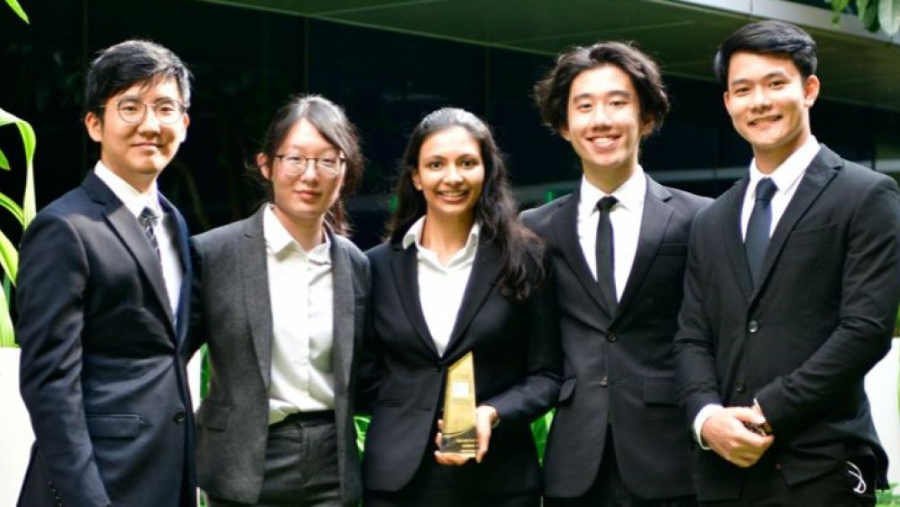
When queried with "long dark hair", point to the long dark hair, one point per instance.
{"points": [[329, 119], [522, 262]]}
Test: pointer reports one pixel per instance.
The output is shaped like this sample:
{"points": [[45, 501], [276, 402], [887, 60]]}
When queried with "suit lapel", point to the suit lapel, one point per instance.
{"points": [[344, 308], [817, 176], [405, 269], [481, 281], [657, 213], [732, 237], [565, 230], [254, 278], [181, 244], [126, 226]]}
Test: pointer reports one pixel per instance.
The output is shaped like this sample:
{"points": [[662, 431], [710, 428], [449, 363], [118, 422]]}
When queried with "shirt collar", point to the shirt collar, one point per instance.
{"points": [[630, 194], [788, 174], [414, 235], [279, 240], [133, 199]]}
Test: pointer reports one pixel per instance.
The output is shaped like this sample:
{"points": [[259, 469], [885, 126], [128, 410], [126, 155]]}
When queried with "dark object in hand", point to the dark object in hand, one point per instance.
{"points": [[756, 428]]}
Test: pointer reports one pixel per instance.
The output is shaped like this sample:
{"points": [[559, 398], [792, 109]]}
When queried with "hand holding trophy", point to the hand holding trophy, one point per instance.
{"points": [[465, 430]]}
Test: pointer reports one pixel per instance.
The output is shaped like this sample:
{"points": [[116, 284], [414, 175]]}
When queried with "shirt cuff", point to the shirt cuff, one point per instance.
{"points": [[701, 418]]}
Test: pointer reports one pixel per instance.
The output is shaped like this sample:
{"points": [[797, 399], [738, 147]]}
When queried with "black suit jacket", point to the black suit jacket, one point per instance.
{"points": [[517, 366], [619, 368], [101, 370], [802, 340]]}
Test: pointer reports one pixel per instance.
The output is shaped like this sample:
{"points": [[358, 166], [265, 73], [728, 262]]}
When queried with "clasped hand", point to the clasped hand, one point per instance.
{"points": [[725, 433]]}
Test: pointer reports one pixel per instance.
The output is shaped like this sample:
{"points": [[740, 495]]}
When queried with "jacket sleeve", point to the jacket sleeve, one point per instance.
{"points": [[538, 391], [870, 296], [695, 355], [51, 290]]}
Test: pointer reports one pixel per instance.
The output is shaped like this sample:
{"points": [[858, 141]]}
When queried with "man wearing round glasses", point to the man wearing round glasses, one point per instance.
{"points": [[103, 304]]}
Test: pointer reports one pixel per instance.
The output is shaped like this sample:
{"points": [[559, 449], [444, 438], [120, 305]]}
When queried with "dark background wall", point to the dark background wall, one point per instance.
{"points": [[246, 63]]}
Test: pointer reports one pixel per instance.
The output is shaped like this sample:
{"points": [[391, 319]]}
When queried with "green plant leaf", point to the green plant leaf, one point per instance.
{"points": [[14, 5], [4, 163], [29, 208], [837, 7], [13, 207], [29, 142], [889, 16], [9, 258], [7, 332]]}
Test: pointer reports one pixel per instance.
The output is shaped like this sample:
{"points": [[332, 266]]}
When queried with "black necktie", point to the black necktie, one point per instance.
{"points": [[148, 219], [757, 239], [606, 253]]}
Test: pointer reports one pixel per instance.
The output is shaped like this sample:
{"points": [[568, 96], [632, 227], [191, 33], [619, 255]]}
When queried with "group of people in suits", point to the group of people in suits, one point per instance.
{"points": [[695, 352]]}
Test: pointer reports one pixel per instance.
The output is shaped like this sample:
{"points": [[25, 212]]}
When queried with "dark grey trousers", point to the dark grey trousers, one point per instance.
{"points": [[301, 468]]}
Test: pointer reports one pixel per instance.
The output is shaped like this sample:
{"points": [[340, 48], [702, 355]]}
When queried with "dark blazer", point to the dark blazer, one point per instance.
{"points": [[101, 372], [803, 339], [619, 368], [517, 366], [233, 315]]}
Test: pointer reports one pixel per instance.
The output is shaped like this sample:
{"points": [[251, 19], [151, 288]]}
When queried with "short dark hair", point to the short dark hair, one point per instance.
{"points": [[552, 92], [125, 64], [769, 37], [521, 268], [331, 121]]}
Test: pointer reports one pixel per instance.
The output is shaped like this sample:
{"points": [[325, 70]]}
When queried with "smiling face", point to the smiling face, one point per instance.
{"points": [[450, 174], [768, 101], [604, 125], [138, 152], [302, 200]]}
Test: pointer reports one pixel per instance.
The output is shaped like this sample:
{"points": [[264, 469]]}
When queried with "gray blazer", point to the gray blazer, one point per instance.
{"points": [[234, 318]]}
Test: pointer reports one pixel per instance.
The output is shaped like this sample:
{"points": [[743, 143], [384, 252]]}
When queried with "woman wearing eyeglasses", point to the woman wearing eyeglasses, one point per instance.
{"points": [[279, 299], [458, 274]]}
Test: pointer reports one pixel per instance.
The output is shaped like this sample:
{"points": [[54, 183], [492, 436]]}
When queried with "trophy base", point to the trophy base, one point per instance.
{"points": [[464, 442]]}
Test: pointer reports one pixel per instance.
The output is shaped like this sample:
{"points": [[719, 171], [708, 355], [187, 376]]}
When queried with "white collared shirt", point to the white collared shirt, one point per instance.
{"points": [[301, 293], [441, 288], [625, 218], [164, 229], [786, 177]]}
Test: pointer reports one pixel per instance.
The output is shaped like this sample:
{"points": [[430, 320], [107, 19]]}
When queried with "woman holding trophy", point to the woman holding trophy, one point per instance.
{"points": [[462, 331]]}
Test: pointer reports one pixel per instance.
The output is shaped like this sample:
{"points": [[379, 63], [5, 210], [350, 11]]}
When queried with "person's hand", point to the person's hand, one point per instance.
{"points": [[485, 417], [726, 433]]}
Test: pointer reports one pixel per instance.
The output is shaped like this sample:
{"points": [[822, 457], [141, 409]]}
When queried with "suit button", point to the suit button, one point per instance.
{"points": [[178, 418], [611, 337], [740, 387], [604, 381], [753, 327]]}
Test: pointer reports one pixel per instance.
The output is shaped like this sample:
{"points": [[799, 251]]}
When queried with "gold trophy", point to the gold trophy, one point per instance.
{"points": [[459, 434]]}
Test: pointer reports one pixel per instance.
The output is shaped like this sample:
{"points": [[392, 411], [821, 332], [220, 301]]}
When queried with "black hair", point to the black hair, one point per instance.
{"points": [[331, 121], [522, 268], [768, 37], [552, 92], [125, 64]]}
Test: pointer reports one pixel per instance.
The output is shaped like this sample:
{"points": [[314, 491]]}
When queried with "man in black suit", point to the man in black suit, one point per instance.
{"points": [[791, 293], [619, 247], [102, 298]]}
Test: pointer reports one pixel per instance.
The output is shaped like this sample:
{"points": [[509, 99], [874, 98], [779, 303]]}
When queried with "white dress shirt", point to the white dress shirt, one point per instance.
{"points": [[301, 293], [164, 229], [787, 178], [441, 288], [625, 218]]}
